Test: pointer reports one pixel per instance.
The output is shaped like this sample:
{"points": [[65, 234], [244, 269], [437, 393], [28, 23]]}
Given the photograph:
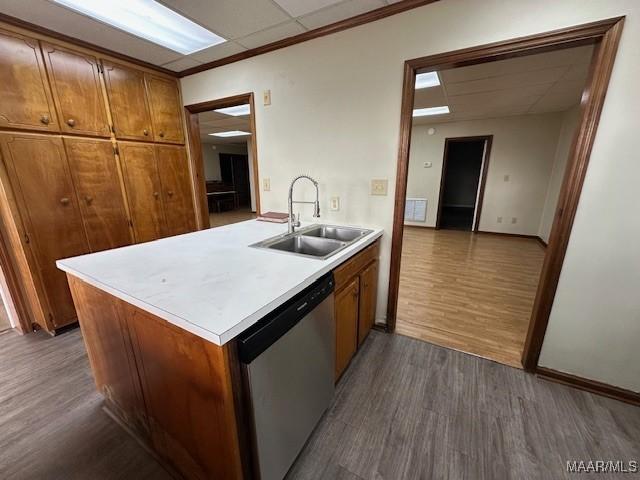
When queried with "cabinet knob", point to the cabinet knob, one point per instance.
{"points": [[64, 201], [156, 194], [71, 122], [145, 132], [170, 193], [45, 119], [161, 134], [88, 199]]}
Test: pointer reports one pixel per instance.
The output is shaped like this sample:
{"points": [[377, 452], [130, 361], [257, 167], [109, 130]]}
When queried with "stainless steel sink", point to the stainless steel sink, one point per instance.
{"points": [[316, 241], [344, 234]]}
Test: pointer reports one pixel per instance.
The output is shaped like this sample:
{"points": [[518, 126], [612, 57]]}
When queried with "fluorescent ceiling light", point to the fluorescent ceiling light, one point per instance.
{"points": [[231, 133], [422, 112], [150, 20], [426, 80], [237, 111]]}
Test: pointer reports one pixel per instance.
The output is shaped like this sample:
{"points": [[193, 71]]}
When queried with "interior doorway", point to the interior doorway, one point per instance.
{"points": [[464, 168]]}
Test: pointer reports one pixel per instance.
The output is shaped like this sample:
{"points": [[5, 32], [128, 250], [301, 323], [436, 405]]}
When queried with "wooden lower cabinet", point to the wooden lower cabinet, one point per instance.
{"points": [[355, 303], [174, 390], [173, 169]]}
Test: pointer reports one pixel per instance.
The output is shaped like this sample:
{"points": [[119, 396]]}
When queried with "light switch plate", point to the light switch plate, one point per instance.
{"points": [[266, 184], [428, 164], [266, 97], [334, 204], [379, 186]]}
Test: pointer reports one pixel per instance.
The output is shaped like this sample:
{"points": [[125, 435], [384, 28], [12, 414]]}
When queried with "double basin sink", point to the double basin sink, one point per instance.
{"points": [[317, 241]]}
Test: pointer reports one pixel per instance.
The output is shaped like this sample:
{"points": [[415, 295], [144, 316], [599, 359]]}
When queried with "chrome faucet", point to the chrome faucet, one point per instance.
{"points": [[293, 221]]}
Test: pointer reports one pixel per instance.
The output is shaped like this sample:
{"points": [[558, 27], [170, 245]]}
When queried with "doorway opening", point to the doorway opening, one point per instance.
{"points": [[223, 146], [464, 168], [485, 283]]}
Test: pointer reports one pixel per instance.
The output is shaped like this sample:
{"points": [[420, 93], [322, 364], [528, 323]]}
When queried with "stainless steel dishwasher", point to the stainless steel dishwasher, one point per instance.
{"points": [[288, 366]]}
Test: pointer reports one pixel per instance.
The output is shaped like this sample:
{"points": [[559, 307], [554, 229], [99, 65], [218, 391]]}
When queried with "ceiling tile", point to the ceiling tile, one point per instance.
{"points": [[231, 18], [429, 97], [297, 8], [217, 52], [181, 64], [513, 80], [272, 34], [339, 12]]}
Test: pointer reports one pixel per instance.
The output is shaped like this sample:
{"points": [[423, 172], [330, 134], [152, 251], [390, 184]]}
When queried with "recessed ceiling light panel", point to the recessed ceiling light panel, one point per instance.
{"points": [[423, 112], [231, 133], [150, 20], [237, 111], [427, 80]]}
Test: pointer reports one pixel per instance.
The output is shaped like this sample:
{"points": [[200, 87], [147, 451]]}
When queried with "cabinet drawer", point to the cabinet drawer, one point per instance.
{"points": [[354, 265]]}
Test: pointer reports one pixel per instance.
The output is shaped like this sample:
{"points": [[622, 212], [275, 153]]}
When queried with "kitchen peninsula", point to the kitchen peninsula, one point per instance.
{"points": [[161, 320]]}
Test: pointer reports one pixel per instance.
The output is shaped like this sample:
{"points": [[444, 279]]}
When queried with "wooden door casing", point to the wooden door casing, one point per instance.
{"points": [[77, 91], [26, 98], [128, 101], [41, 180], [166, 109], [95, 176], [174, 175], [346, 318], [144, 190], [368, 299]]}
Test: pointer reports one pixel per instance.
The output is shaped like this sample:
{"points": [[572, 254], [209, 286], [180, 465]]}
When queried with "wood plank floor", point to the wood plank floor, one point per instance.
{"points": [[424, 412], [232, 216], [469, 292]]}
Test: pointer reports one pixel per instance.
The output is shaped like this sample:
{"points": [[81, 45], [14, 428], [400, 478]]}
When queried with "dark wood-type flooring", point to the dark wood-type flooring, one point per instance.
{"points": [[405, 409]]}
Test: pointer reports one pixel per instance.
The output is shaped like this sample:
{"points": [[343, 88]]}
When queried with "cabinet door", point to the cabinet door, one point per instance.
{"points": [[95, 176], [166, 109], [128, 102], [26, 98], [77, 93], [346, 313], [176, 189], [368, 298], [46, 199], [143, 187]]}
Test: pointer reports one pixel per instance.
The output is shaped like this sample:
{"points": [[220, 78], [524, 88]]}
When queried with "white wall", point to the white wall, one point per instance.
{"points": [[523, 148], [335, 114], [569, 127], [211, 158]]}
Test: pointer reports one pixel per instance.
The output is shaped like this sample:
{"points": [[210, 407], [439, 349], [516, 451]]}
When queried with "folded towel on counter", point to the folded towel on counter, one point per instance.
{"points": [[274, 217]]}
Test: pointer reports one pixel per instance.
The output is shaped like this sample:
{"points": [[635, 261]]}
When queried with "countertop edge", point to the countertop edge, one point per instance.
{"points": [[242, 325]]}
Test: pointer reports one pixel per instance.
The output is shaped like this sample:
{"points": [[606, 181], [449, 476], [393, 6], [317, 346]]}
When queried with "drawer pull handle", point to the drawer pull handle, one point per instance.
{"points": [[145, 132], [161, 134], [71, 122], [45, 119], [64, 201]]}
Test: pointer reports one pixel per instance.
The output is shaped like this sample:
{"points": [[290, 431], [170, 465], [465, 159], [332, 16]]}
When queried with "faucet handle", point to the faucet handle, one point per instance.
{"points": [[296, 220]]}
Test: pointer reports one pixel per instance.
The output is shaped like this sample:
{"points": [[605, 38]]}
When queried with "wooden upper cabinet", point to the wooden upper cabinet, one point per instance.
{"points": [[128, 101], [144, 190], [26, 101], [77, 92], [41, 181], [166, 109], [346, 317], [368, 300], [95, 175], [176, 189]]}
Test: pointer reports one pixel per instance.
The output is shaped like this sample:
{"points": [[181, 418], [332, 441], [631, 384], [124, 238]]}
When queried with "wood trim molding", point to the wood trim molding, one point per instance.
{"points": [[592, 386], [52, 34], [605, 34], [195, 148], [367, 17], [9, 282]]}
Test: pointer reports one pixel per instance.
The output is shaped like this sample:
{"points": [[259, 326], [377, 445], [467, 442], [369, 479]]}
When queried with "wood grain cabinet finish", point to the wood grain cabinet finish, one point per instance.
{"points": [[25, 97], [346, 315], [368, 300], [128, 101], [95, 176], [176, 189], [166, 109], [77, 91], [42, 184], [144, 190]]}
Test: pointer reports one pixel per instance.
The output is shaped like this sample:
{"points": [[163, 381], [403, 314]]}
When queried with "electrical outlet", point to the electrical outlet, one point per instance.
{"points": [[506, 178], [266, 184], [514, 220], [334, 204], [499, 219], [266, 97], [379, 187]]}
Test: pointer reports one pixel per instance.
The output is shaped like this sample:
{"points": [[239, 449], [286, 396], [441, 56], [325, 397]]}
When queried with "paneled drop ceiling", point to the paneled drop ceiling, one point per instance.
{"points": [[214, 122], [546, 82], [245, 24]]}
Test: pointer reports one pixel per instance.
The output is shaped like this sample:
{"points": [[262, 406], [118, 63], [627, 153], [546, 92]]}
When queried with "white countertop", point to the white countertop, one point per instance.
{"points": [[209, 282]]}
